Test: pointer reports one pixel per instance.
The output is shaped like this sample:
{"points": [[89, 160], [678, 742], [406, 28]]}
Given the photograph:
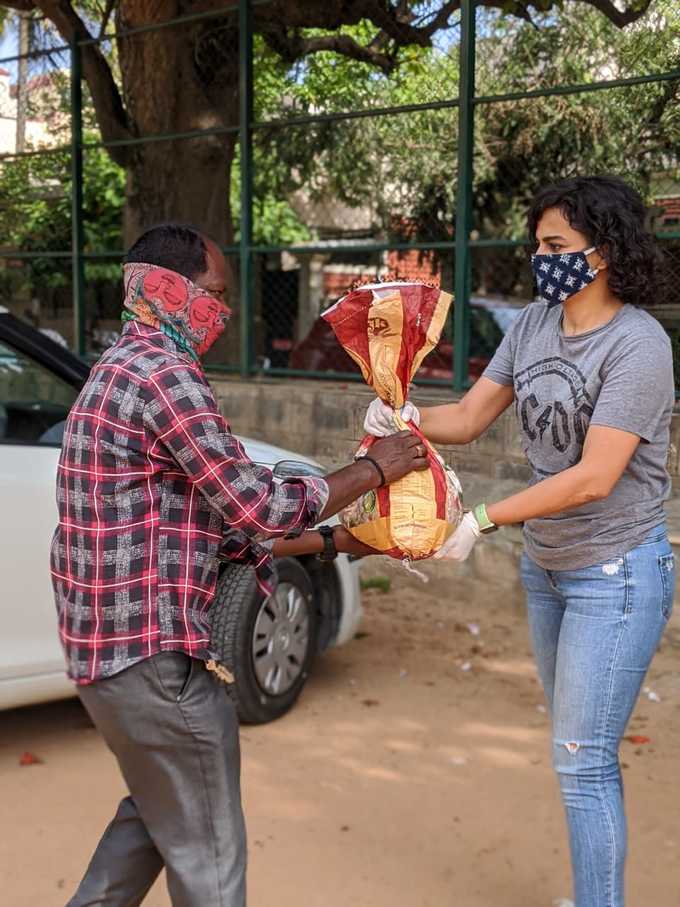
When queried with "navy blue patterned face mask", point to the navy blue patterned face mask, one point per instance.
{"points": [[560, 275]]}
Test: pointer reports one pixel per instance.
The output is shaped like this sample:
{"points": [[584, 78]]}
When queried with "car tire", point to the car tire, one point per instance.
{"points": [[269, 647]]}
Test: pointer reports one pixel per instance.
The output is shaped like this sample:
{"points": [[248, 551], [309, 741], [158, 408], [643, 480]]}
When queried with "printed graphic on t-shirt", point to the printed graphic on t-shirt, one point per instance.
{"points": [[554, 410]]}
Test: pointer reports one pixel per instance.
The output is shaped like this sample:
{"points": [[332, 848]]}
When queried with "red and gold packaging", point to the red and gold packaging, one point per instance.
{"points": [[388, 329]]}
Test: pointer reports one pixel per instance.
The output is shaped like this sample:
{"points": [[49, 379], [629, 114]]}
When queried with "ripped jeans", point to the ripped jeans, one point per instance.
{"points": [[594, 632]]}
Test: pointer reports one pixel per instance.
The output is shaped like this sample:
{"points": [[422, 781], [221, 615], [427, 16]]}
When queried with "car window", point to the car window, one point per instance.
{"points": [[34, 402]]}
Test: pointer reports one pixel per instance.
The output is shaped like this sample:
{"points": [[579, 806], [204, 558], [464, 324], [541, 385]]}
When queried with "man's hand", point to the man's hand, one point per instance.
{"points": [[379, 420], [458, 546], [347, 544], [398, 455]]}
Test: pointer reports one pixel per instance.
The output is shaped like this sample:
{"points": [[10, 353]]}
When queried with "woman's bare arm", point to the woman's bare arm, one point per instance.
{"points": [[460, 423]]}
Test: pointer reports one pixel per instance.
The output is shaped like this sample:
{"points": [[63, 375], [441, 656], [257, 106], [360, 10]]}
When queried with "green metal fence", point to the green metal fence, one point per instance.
{"points": [[337, 170]]}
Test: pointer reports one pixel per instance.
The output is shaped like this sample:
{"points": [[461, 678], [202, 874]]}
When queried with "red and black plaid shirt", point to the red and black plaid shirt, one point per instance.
{"points": [[151, 486]]}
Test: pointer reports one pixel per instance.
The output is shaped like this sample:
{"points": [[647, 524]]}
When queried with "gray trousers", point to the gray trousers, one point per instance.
{"points": [[174, 732]]}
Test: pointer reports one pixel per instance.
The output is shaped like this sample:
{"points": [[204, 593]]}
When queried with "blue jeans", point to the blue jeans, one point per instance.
{"points": [[594, 632]]}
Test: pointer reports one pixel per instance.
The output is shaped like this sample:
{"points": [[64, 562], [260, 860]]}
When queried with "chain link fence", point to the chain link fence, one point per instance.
{"points": [[319, 158]]}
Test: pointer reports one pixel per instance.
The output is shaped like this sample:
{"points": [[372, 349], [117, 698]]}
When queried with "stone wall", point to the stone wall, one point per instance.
{"points": [[324, 420]]}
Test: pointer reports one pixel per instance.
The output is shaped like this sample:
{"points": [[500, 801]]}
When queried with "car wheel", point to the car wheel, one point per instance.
{"points": [[268, 646]]}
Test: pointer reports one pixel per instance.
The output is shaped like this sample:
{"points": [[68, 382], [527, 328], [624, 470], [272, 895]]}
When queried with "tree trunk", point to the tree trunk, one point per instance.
{"points": [[179, 79], [186, 181], [22, 80]]}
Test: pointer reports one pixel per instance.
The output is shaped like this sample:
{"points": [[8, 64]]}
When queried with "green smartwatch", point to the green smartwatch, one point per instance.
{"points": [[485, 524]]}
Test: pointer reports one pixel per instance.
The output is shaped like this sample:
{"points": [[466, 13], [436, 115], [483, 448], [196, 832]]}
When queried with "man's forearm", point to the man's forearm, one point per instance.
{"points": [[310, 542], [348, 484]]}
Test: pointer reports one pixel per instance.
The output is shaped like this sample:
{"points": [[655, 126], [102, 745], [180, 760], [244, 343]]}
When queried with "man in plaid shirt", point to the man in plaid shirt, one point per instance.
{"points": [[151, 488]]}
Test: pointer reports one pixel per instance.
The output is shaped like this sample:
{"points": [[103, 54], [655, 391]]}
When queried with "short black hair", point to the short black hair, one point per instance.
{"points": [[177, 247], [612, 215]]}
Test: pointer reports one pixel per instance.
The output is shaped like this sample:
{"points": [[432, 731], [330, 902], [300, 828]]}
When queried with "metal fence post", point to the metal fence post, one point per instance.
{"points": [[245, 38], [462, 280], [77, 233]]}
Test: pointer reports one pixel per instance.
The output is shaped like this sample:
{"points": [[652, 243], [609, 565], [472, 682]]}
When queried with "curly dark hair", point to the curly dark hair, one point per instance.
{"points": [[611, 214]]}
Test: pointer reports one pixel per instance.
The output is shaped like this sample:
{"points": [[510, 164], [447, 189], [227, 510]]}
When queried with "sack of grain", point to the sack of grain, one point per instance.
{"points": [[388, 329]]}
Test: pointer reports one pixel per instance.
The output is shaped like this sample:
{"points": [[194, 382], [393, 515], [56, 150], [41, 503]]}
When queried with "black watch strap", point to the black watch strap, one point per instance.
{"points": [[330, 552]]}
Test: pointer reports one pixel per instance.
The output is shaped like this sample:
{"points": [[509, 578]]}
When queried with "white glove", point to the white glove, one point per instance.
{"points": [[379, 419], [459, 545]]}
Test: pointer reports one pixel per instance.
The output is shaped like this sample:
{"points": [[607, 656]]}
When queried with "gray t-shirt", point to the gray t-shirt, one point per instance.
{"points": [[619, 375]]}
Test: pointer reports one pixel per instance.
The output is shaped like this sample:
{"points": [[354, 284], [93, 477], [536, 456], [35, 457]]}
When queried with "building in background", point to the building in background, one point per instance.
{"points": [[43, 114]]}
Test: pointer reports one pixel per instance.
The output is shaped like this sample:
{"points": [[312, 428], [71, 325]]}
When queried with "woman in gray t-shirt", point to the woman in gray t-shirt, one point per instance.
{"points": [[591, 377]]}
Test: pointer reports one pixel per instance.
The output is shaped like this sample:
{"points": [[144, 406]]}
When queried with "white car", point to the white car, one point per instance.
{"points": [[269, 647]]}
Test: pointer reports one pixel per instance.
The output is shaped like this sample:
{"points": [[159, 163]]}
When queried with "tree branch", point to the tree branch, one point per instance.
{"points": [[106, 17], [21, 6], [292, 46], [519, 8], [669, 92], [111, 116], [615, 15], [397, 21], [395, 24]]}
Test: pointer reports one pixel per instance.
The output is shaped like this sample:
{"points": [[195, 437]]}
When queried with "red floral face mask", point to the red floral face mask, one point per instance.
{"points": [[158, 296]]}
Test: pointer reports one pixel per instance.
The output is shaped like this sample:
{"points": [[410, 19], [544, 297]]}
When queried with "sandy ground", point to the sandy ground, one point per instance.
{"points": [[399, 779]]}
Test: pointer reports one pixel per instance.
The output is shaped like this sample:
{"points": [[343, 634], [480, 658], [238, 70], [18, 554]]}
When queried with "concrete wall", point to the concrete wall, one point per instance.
{"points": [[324, 420]]}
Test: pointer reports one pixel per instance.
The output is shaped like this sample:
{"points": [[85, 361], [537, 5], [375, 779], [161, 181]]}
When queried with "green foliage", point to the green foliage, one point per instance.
{"points": [[35, 212], [382, 583], [274, 220], [103, 203], [403, 167]]}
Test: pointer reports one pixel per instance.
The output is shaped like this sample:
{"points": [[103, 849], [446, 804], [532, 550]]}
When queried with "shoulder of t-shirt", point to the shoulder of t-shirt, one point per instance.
{"points": [[640, 346], [532, 316], [643, 330]]}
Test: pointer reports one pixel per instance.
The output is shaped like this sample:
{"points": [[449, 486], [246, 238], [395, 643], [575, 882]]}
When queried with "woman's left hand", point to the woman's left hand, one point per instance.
{"points": [[347, 544], [379, 420], [459, 545]]}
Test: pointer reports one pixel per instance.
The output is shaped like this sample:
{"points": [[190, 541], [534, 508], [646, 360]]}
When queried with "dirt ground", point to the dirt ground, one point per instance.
{"points": [[414, 772]]}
